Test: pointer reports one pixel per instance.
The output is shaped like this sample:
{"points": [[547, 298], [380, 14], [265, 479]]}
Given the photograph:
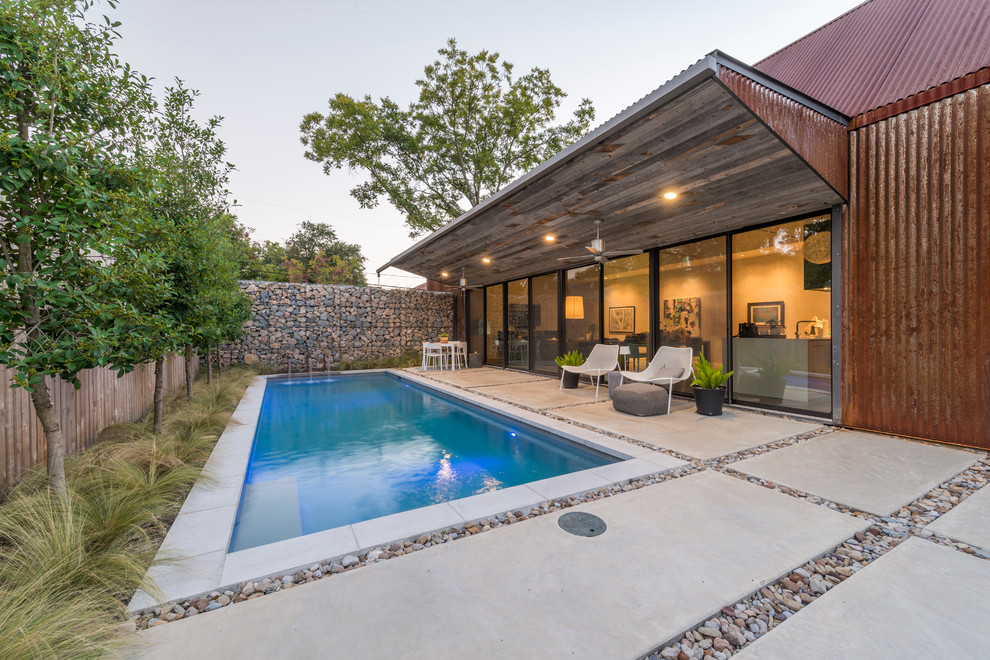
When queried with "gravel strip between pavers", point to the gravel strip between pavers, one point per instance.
{"points": [[737, 625]]}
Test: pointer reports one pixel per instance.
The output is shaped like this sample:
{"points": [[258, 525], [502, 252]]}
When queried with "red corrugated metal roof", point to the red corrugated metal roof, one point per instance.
{"points": [[885, 50]]}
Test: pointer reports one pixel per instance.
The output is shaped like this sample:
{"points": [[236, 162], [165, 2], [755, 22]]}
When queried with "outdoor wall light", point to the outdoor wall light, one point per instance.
{"points": [[444, 274], [670, 195], [549, 238], [486, 260]]}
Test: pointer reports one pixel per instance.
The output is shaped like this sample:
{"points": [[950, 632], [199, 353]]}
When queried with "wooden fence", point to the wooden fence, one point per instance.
{"points": [[102, 400]]}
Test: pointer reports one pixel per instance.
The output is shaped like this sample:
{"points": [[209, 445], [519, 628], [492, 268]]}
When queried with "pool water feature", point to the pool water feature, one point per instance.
{"points": [[333, 451]]}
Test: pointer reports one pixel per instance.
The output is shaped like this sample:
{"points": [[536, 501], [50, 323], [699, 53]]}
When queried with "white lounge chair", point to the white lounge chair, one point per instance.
{"points": [[602, 359], [670, 365]]}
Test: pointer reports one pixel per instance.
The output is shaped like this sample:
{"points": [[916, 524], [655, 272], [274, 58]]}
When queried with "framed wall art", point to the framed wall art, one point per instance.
{"points": [[622, 320]]}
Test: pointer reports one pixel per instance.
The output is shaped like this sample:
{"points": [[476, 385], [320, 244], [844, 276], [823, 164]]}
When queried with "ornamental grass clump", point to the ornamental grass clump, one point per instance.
{"points": [[69, 567]]}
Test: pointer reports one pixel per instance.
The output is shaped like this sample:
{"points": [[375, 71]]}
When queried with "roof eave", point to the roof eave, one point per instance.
{"points": [[703, 69]]}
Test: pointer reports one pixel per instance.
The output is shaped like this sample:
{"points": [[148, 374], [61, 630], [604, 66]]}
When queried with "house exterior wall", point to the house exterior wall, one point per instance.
{"points": [[294, 321], [916, 289]]}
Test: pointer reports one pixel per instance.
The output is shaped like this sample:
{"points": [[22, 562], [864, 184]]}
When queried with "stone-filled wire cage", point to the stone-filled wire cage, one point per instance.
{"points": [[317, 326]]}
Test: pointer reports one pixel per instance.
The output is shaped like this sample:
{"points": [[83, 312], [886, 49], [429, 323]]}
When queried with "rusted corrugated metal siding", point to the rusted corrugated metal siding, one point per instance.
{"points": [[102, 400], [820, 141], [885, 50], [917, 263]]}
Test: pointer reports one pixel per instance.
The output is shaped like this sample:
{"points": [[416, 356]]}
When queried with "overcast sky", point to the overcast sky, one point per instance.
{"points": [[263, 65]]}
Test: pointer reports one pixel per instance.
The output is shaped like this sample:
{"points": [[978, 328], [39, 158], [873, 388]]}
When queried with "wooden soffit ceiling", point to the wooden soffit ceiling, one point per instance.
{"points": [[728, 169]]}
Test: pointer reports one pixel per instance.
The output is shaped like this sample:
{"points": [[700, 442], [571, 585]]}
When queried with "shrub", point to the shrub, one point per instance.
{"points": [[572, 359], [706, 376]]}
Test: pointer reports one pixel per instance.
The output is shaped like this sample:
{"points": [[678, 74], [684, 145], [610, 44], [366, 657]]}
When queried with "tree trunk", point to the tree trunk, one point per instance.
{"points": [[55, 455], [190, 373], [159, 386], [209, 367], [219, 366]]}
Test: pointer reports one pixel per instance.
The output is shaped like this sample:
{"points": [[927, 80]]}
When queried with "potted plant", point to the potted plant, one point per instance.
{"points": [[444, 336], [572, 359], [708, 385]]}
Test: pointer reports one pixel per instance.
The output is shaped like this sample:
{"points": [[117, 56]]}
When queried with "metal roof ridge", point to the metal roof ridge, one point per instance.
{"points": [[706, 67], [770, 82]]}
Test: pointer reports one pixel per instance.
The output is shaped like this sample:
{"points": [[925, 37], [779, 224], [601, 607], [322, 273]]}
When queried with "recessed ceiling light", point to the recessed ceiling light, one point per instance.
{"points": [[486, 260], [670, 195], [550, 238], [443, 274]]}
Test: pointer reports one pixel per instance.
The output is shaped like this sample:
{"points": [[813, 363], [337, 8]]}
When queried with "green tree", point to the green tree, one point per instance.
{"points": [[69, 110], [295, 271], [474, 128], [191, 196], [337, 270], [318, 239], [316, 246]]}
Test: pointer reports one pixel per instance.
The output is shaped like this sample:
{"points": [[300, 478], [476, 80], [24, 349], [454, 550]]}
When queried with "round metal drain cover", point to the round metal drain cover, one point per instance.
{"points": [[582, 524]]}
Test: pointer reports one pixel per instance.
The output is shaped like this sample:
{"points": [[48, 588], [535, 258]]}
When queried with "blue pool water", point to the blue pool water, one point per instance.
{"points": [[334, 451]]}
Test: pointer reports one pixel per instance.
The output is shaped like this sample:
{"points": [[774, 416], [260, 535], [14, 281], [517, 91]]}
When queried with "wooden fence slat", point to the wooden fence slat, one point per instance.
{"points": [[101, 401]]}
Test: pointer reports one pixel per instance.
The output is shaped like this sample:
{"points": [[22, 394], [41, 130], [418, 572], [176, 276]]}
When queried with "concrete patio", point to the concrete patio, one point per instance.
{"points": [[869, 472], [689, 433], [532, 590], [919, 600], [673, 555]]}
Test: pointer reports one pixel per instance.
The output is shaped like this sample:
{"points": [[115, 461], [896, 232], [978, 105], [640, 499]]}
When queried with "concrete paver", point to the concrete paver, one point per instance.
{"points": [[476, 377], [920, 600], [672, 554], [870, 472], [543, 394], [969, 522], [689, 433]]}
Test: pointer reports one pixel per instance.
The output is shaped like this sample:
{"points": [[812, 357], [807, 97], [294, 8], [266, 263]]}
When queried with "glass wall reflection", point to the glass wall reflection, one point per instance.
{"points": [[495, 342], [581, 311], [781, 303], [476, 320], [543, 316], [518, 318], [692, 300], [627, 308]]}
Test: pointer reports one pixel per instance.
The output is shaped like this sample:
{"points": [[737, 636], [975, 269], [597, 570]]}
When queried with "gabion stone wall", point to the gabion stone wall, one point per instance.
{"points": [[327, 323]]}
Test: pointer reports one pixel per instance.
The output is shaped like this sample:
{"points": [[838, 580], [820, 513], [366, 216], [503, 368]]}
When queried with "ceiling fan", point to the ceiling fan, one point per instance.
{"points": [[597, 247]]}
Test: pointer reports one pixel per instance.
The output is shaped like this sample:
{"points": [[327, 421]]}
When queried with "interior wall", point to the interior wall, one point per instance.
{"points": [[707, 284], [628, 290], [768, 278]]}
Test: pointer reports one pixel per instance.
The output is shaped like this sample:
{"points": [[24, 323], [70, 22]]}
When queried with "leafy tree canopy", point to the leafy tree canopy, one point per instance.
{"points": [[313, 253], [474, 128], [70, 112]]}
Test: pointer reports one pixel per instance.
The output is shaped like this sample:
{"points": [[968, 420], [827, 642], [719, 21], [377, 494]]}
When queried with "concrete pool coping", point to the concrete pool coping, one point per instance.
{"points": [[193, 559]]}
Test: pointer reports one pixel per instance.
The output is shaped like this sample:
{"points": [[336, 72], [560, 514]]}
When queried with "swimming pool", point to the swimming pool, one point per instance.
{"points": [[334, 451]]}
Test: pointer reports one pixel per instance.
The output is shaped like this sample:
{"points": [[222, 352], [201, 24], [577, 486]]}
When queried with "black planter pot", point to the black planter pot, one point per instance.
{"points": [[570, 380], [709, 402]]}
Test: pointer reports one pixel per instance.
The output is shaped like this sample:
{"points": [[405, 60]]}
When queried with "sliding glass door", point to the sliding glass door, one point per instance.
{"points": [[543, 317], [627, 308], [495, 338], [518, 320], [691, 300], [781, 303], [581, 309]]}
